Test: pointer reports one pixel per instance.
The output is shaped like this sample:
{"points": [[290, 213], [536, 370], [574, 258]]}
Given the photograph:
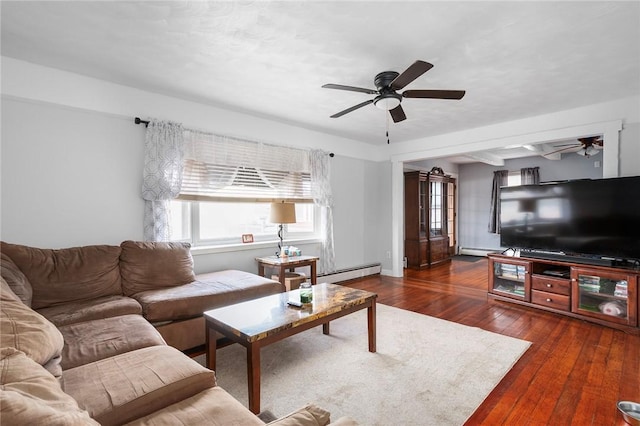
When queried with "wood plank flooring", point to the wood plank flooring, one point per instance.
{"points": [[574, 373]]}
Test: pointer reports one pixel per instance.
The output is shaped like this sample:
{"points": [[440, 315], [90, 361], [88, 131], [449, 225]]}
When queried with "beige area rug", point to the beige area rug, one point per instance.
{"points": [[426, 371]]}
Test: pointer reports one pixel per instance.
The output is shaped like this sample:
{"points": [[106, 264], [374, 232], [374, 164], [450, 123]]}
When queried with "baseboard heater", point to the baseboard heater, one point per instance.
{"points": [[477, 251], [350, 273]]}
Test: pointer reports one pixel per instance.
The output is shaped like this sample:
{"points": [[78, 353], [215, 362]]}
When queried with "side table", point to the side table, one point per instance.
{"points": [[288, 263]]}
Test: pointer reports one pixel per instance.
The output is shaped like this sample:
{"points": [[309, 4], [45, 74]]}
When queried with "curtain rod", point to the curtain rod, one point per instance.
{"points": [[138, 120]]}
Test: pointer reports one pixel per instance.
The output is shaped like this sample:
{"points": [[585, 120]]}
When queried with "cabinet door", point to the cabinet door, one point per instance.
{"points": [[510, 278], [609, 296]]}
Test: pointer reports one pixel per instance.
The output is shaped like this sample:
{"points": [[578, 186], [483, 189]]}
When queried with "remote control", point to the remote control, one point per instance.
{"points": [[294, 303]]}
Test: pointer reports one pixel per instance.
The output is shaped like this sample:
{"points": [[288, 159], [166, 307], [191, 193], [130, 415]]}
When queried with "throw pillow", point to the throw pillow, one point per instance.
{"points": [[18, 282], [27, 331]]}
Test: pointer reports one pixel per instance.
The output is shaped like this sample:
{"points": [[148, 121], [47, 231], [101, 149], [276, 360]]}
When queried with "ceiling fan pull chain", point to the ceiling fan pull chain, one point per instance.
{"points": [[387, 121]]}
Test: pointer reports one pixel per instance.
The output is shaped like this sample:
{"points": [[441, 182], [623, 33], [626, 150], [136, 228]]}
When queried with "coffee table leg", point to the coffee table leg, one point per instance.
{"points": [[371, 325], [211, 348], [253, 375], [325, 328]]}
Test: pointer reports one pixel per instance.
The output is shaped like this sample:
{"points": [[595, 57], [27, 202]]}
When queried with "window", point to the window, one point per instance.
{"points": [[223, 222], [514, 178], [228, 185]]}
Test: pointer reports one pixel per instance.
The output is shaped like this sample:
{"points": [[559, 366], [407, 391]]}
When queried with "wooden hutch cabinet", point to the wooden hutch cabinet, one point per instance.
{"points": [[428, 218]]}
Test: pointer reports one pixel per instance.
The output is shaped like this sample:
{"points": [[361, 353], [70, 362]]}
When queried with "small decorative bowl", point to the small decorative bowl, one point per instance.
{"points": [[630, 412]]}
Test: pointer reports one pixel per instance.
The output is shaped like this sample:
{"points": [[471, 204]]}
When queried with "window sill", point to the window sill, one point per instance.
{"points": [[201, 250]]}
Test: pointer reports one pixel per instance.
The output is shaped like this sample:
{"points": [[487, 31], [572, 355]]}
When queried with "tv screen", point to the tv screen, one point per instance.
{"points": [[582, 217]]}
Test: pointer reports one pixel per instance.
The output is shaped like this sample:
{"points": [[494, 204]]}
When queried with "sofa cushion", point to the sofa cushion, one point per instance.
{"points": [[18, 281], [310, 415], [32, 396], [27, 331], [91, 341], [134, 384], [209, 291], [213, 406], [68, 275], [151, 265], [88, 310]]}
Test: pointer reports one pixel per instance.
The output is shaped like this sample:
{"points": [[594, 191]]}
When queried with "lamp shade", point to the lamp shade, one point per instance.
{"points": [[283, 213]]}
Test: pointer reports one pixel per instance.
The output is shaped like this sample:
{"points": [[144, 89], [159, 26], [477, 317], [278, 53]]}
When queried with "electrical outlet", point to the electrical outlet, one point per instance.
{"points": [[388, 255], [596, 164]]}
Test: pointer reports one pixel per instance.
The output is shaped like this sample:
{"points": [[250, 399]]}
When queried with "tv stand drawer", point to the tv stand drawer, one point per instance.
{"points": [[551, 284], [552, 300]]}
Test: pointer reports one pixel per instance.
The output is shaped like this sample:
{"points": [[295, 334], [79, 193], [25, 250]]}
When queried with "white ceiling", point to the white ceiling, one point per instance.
{"points": [[514, 59]]}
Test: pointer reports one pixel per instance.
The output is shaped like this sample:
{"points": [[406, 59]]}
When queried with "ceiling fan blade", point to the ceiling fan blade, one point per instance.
{"points": [[350, 88], [562, 149], [414, 71], [434, 94], [353, 108], [397, 114], [567, 144]]}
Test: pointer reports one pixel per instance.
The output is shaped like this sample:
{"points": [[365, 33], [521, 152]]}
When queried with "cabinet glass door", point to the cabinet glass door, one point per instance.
{"points": [[606, 296], [423, 207], [511, 279]]}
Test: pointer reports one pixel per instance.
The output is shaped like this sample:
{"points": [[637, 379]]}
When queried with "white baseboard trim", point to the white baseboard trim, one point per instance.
{"points": [[350, 273], [476, 251]]}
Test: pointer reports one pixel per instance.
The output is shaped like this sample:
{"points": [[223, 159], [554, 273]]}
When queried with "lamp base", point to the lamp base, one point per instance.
{"points": [[279, 252]]}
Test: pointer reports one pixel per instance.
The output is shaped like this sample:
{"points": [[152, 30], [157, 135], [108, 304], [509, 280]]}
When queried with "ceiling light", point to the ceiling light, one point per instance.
{"points": [[588, 151], [388, 101]]}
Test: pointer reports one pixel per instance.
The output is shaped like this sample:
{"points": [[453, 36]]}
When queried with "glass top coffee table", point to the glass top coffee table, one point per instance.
{"points": [[260, 322]]}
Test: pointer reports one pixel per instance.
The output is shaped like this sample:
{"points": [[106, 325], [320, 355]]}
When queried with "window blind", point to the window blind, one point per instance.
{"points": [[223, 168]]}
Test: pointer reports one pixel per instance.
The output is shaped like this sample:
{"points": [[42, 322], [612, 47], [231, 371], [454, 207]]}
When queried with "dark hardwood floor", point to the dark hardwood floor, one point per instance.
{"points": [[574, 372]]}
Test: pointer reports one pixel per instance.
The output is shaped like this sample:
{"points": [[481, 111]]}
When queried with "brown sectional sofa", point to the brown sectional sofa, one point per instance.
{"points": [[103, 362], [153, 279]]}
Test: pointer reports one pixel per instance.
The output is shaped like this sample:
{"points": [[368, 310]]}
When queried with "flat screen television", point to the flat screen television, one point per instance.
{"points": [[597, 218]]}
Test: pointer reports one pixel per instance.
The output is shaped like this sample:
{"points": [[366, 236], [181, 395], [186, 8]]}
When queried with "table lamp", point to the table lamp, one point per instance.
{"points": [[282, 213]]}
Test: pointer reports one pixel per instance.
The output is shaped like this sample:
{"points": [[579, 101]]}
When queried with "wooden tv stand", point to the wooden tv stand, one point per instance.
{"points": [[600, 294]]}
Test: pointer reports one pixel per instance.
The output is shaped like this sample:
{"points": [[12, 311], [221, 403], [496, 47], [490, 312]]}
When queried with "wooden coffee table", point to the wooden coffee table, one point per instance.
{"points": [[260, 322]]}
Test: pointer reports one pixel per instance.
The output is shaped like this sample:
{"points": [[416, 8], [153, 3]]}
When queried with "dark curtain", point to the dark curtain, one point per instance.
{"points": [[499, 179], [530, 176]]}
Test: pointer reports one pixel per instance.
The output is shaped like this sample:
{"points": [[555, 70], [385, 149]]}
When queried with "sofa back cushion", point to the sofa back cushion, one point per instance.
{"points": [[27, 331], [32, 396], [152, 265], [68, 275], [18, 282]]}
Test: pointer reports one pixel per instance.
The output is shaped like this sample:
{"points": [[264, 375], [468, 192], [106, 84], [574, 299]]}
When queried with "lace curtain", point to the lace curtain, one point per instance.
{"points": [[322, 196], [162, 176], [500, 178]]}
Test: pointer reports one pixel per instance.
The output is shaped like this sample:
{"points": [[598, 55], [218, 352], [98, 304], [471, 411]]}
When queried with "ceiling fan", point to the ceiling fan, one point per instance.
{"points": [[587, 146], [387, 97]]}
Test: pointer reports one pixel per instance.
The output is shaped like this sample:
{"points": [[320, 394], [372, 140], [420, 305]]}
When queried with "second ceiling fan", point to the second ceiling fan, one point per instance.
{"points": [[387, 97]]}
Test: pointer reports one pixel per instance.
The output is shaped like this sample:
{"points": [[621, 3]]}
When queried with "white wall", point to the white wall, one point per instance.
{"points": [[65, 119], [69, 177], [72, 158], [630, 150]]}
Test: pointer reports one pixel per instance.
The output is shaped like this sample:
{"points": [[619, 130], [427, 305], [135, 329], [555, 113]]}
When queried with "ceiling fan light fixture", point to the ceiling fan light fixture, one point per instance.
{"points": [[588, 151], [387, 101]]}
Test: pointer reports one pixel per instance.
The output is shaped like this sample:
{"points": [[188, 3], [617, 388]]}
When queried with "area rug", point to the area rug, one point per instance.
{"points": [[426, 371]]}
